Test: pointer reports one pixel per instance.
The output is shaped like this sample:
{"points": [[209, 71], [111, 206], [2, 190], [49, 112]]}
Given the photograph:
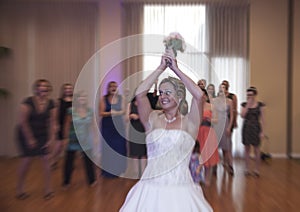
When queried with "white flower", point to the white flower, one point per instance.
{"points": [[175, 42]]}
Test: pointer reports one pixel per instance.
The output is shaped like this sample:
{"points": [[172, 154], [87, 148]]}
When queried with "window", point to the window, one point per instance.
{"points": [[189, 21]]}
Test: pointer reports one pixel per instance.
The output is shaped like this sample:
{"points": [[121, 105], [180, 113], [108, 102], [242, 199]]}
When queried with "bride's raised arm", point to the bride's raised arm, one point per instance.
{"points": [[144, 107], [196, 106]]}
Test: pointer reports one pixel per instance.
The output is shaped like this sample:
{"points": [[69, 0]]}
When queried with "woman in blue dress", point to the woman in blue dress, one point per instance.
{"points": [[112, 128], [78, 132]]}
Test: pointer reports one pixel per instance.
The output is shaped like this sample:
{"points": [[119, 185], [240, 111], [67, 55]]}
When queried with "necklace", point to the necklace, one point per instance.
{"points": [[170, 120]]}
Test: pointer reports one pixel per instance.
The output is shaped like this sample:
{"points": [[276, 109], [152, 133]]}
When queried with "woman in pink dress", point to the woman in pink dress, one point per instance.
{"points": [[208, 139]]}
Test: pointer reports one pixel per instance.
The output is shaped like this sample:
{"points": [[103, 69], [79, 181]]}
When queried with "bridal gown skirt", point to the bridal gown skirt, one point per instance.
{"points": [[146, 197], [166, 184]]}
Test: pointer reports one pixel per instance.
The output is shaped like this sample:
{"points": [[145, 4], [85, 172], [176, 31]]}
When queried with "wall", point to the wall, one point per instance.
{"points": [[110, 31], [269, 69], [268, 65]]}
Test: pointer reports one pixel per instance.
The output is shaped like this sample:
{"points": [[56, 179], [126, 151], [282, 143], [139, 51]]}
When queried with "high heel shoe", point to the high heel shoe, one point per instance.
{"points": [[49, 195], [247, 173], [230, 170], [22, 196], [256, 173]]}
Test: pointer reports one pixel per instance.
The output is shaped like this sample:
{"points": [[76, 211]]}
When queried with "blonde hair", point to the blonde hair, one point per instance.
{"points": [[77, 96], [180, 92]]}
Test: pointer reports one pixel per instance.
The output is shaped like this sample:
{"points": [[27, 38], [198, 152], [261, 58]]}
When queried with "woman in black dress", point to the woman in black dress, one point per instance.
{"points": [[253, 128], [63, 104], [36, 130], [137, 136]]}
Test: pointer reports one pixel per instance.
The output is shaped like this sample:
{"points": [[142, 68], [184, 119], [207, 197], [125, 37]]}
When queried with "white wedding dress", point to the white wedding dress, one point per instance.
{"points": [[166, 184]]}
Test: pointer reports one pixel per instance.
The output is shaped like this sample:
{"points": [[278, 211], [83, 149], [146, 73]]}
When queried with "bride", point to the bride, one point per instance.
{"points": [[166, 184]]}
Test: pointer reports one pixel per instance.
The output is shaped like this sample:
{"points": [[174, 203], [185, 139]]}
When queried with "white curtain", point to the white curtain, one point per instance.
{"points": [[189, 21], [217, 35], [228, 27], [234, 70]]}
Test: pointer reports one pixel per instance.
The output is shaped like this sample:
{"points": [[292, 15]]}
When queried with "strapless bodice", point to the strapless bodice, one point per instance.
{"points": [[169, 153]]}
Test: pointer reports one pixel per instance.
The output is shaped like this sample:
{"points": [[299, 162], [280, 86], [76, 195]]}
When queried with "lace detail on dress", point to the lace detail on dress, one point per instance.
{"points": [[169, 153]]}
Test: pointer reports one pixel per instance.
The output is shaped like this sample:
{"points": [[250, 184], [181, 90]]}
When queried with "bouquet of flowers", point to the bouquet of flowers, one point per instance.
{"points": [[174, 42]]}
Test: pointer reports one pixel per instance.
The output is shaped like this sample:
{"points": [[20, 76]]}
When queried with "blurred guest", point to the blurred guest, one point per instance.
{"points": [[211, 95], [202, 83], [196, 166], [253, 128], [111, 110], [78, 132], [224, 108], [63, 104], [153, 97], [208, 139], [211, 91], [36, 130], [234, 99], [137, 137]]}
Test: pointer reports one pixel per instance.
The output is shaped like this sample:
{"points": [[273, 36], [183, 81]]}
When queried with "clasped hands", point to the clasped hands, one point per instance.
{"points": [[168, 60]]}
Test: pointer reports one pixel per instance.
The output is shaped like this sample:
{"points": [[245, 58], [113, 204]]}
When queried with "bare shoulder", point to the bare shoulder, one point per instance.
{"points": [[153, 120], [155, 114], [234, 96], [102, 99], [229, 101]]}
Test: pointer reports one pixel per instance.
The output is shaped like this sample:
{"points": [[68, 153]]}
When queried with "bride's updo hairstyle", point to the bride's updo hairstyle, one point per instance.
{"points": [[180, 91]]}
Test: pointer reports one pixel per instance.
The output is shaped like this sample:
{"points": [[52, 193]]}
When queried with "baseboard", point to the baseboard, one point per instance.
{"points": [[279, 155], [295, 155]]}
